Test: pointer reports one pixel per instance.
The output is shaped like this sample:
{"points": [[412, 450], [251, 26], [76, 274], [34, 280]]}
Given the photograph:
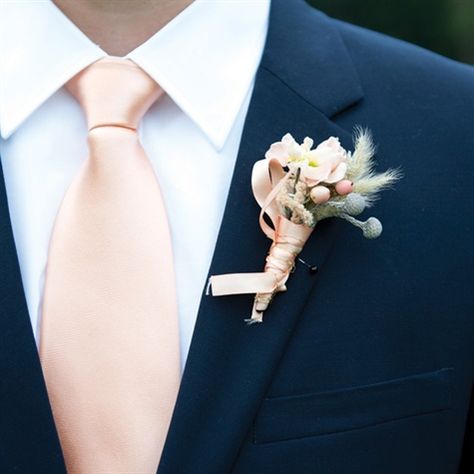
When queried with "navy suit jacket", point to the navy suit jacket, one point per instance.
{"points": [[365, 366]]}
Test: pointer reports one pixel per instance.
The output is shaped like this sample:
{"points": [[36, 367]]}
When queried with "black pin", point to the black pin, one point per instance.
{"points": [[313, 269]]}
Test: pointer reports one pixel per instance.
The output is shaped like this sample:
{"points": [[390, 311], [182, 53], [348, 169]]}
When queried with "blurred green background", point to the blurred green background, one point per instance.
{"points": [[444, 26]]}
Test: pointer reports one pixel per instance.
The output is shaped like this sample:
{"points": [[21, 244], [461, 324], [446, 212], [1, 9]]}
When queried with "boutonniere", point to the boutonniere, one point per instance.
{"points": [[297, 186]]}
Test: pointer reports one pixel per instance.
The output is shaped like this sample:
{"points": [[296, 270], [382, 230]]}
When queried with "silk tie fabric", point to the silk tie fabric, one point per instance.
{"points": [[109, 342]]}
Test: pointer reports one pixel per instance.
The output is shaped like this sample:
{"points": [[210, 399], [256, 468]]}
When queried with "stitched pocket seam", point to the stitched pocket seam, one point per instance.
{"points": [[323, 413], [361, 427]]}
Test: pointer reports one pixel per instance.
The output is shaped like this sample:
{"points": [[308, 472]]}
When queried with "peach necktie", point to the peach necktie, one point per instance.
{"points": [[109, 344]]}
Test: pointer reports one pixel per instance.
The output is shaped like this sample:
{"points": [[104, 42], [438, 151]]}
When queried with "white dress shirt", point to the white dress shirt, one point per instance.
{"points": [[205, 59]]}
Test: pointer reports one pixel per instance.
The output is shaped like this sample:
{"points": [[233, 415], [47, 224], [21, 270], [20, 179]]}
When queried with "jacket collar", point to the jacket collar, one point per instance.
{"points": [[305, 51]]}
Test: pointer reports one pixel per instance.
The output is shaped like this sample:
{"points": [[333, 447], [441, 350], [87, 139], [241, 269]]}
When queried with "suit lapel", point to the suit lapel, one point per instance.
{"points": [[28, 439], [299, 82]]}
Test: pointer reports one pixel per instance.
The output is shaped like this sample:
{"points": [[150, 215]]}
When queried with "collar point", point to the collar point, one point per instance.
{"points": [[6, 131], [217, 140]]}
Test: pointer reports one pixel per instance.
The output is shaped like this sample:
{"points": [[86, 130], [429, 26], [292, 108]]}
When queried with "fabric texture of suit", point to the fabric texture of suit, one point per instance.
{"points": [[365, 366]]}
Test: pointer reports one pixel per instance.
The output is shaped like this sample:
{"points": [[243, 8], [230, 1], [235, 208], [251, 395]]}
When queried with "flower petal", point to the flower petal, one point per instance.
{"points": [[337, 174], [313, 175], [288, 139], [307, 143], [294, 150], [332, 150], [278, 151]]}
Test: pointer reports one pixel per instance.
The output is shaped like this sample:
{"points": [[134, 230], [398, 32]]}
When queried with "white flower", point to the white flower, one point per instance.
{"points": [[326, 163]]}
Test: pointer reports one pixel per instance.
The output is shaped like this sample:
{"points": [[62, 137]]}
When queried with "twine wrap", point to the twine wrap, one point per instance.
{"points": [[288, 239]]}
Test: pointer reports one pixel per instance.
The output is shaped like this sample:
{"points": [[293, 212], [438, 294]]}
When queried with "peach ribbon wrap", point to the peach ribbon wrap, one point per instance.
{"points": [[288, 239]]}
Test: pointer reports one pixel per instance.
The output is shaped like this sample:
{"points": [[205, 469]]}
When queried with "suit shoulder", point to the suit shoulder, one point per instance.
{"points": [[397, 61]]}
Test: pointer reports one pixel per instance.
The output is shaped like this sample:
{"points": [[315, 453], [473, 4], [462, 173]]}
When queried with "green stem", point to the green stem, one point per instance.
{"points": [[297, 178]]}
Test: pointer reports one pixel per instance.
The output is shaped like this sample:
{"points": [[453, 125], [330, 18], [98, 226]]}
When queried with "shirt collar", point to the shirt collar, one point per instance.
{"points": [[205, 59]]}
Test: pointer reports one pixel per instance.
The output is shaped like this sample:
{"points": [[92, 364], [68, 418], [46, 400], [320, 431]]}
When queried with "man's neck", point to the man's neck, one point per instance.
{"points": [[119, 26]]}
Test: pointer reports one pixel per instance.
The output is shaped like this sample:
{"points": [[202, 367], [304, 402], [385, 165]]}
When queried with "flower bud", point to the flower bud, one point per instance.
{"points": [[320, 194], [372, 228], [343, 187], [354, 204]]}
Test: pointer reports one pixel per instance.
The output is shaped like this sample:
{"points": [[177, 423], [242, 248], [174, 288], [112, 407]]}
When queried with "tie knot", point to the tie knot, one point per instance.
{"points": [[114, 92]]}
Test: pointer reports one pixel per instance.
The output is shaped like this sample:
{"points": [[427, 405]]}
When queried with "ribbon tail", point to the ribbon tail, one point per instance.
{"points": [[241, 283]]}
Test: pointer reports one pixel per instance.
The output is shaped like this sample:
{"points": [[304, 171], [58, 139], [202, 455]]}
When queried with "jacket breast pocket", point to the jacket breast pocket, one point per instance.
{"points": [[313, 414]]}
